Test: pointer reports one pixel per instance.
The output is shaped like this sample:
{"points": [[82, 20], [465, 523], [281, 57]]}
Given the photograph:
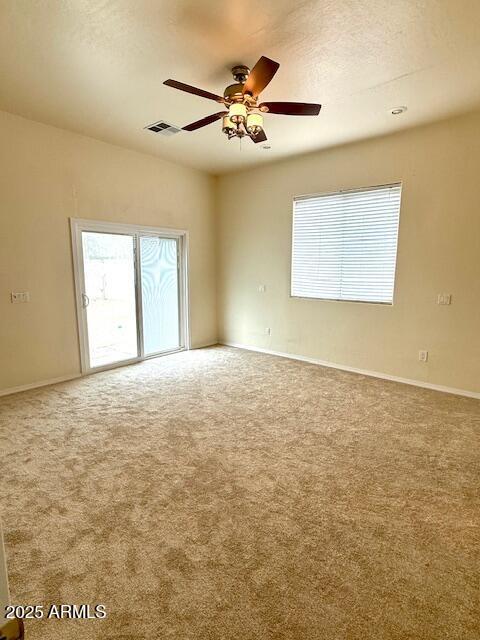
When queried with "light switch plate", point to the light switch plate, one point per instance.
{"points": [[444, 298], [20, 296]]}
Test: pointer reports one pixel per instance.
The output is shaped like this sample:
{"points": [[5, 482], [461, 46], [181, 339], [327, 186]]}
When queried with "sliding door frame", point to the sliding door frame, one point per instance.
{"points": [[79, 225]]}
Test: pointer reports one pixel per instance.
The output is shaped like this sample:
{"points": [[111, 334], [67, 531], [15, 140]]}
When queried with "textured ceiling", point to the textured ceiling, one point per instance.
{"points": [[96, 67]]}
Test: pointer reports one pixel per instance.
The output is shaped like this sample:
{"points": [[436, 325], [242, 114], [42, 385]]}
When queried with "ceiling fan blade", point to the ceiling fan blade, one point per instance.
{"points": [[259, 137], [291, 108], [196, 92], [260, 76], [204, 121]]}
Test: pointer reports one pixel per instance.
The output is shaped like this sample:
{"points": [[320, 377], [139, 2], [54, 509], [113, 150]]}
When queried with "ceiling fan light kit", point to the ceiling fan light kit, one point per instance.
{"points": [[245, 116]]}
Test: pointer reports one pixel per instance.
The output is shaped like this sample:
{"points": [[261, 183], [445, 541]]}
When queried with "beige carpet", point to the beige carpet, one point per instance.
{"points": [[221, 495]]}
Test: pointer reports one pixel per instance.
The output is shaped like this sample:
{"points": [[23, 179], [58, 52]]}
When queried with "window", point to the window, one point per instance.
{"points": [[344, 245]]}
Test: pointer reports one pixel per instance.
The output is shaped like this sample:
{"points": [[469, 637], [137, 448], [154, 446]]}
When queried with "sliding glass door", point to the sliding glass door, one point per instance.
{"points": [[159, 259], [131, 292]]}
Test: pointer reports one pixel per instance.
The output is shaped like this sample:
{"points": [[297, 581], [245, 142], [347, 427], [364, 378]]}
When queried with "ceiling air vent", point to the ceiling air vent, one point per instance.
{"points": [[163, 128]]}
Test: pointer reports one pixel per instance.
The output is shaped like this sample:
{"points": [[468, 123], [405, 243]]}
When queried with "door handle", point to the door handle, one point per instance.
{"points": [[85, 300]]}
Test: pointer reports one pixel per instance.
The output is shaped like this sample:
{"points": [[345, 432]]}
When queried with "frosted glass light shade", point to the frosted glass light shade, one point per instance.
{"points": [[254, 122], [227, 123], [237, 112]]}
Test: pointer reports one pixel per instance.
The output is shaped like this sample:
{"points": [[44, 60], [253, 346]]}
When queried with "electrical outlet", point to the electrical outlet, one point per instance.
{"points": [[18, 297], [423, 356], [444, 298], [262, 288], [268, 331]]}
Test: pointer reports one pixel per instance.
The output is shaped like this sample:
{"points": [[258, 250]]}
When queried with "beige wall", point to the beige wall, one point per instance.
{"points": [[48, 175], [439, 251]]}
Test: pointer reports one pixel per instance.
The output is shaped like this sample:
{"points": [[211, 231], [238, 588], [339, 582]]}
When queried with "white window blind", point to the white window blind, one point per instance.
{"points": [[344, 244]]}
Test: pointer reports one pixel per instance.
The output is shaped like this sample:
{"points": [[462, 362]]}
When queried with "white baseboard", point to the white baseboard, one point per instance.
{"points": [[35, 385], [281, 354], [205, 345], [363, 372]]}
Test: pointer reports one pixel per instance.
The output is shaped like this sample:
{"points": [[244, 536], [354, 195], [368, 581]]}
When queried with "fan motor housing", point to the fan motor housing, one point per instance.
{"points": [[234, 92]]}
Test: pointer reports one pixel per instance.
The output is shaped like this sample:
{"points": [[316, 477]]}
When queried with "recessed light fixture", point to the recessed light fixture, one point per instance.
{"points": [[396, 111]]}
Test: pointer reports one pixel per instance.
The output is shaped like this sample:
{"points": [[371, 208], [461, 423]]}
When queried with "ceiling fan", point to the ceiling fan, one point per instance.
{"points": [[244, 116]]}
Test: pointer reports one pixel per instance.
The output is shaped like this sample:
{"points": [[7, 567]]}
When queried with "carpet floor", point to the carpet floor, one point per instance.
{"points": [[220, 494]]}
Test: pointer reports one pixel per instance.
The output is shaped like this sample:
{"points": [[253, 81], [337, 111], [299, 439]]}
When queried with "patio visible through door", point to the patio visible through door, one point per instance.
{"points": [[109, 297]]}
